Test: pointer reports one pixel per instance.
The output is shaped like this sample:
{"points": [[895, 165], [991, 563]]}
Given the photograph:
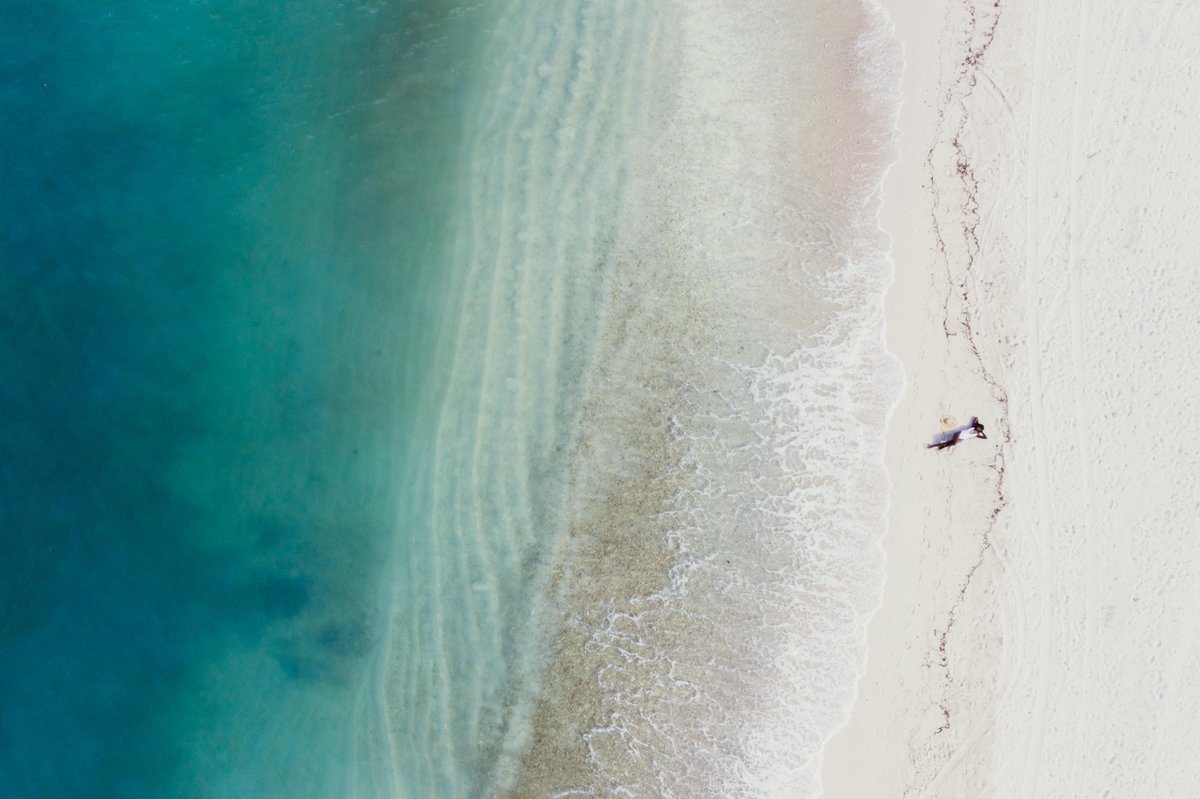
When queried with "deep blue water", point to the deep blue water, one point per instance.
{"points": [[219, 285]]}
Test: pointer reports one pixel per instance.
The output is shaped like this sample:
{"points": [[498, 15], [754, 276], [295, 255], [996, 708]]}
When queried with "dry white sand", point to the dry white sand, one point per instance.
{"points": [[1037, 636]]}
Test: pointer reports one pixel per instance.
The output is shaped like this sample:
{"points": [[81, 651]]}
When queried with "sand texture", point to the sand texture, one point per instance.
{"points": [[1037, 632]]}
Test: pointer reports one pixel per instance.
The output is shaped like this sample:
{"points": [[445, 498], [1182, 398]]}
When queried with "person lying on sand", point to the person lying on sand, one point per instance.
{"points": [[951, 435]]}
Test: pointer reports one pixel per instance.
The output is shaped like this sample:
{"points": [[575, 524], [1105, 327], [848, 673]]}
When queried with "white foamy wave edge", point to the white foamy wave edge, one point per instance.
{"points": [[838, 396]]}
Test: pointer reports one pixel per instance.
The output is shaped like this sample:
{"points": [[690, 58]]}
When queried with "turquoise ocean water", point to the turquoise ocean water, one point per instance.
{"points": [[222, 287], [416, 399]]}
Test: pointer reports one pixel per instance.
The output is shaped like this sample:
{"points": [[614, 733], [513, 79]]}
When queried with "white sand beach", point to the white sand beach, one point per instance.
{"points": [[1037, 632]]}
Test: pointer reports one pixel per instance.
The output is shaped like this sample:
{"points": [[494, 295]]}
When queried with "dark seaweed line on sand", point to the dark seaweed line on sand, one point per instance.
{"points": [[977, 38]]}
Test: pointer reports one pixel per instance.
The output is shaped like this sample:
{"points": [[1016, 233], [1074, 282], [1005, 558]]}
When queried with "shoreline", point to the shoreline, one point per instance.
{"points": [[906, 712]]}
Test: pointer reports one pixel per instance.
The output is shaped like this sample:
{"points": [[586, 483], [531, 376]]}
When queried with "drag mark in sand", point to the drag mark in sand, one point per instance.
{"points": [[956, 212]]}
